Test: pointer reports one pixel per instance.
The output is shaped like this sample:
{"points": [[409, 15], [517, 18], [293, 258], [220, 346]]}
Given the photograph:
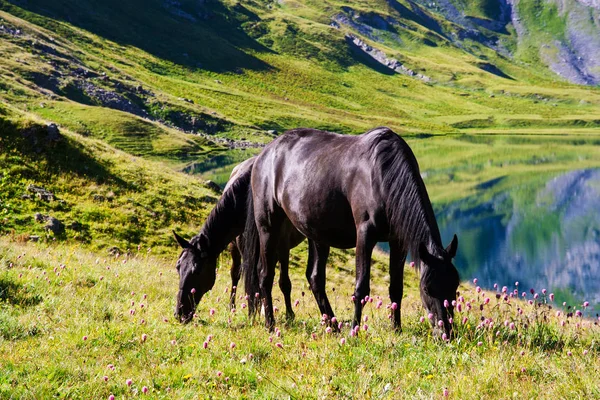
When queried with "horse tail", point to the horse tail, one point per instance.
{"points": [[251, 253]]}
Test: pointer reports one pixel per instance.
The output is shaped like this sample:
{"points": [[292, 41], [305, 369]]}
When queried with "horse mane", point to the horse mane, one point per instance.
{"points": [[407, 204], [228, 214]]}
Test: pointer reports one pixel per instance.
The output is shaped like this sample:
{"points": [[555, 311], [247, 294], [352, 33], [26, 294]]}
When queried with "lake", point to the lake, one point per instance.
{"points": [[544, 234]]}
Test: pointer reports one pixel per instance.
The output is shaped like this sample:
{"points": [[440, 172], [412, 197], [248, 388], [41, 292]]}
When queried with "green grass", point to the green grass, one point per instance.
{"points": [[302, 73], [117, 199], [55, 295]]}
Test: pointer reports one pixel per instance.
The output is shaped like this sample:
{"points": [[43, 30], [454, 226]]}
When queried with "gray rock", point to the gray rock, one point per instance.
{"points": [[53, 132], [212, 186], [54, 225], [41, 193], [34, 238], [39, 217]]}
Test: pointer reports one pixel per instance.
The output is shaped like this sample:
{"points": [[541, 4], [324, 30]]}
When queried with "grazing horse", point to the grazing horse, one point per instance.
{"points": [[225, 224], [348, 191]]}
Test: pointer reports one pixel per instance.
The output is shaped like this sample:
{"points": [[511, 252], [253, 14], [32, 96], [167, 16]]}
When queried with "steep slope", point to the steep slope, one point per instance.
{"points": [[563, 35], [56, 184], [226, 69], [175, 84]]}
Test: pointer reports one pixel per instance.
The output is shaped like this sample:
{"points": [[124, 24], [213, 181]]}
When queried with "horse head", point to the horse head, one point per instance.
{"points": [[439, 282], [197, 273]]}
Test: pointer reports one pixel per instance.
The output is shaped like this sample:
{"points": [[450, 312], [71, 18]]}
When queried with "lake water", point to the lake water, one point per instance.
{"points": [[543, 235]]}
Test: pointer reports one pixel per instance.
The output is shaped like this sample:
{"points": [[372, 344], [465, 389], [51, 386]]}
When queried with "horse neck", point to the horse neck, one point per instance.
{"points": [[227, 219], [410, 210], [428, 231], [221, 230]]}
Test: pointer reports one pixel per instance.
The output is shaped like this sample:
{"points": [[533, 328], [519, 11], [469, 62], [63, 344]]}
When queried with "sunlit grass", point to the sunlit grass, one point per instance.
{"points": [[80, 324]]}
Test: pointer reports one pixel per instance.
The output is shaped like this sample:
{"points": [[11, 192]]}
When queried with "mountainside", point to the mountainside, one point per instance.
{"points": [[180, 84], [238, 69], [561, 34]]}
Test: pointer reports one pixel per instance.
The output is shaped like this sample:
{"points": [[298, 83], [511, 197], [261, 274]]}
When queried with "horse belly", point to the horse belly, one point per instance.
{"points": [[325, 220]]}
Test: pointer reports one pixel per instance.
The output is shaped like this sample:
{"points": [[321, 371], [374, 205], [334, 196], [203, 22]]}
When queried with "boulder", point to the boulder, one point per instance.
{"points": [[39, 217], [54, 225], [41, 193], [53, 132], [213, 186]]}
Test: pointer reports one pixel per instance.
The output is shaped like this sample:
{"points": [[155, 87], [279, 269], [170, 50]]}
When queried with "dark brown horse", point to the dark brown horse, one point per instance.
{"points": [[348, 191], [225, 224]]}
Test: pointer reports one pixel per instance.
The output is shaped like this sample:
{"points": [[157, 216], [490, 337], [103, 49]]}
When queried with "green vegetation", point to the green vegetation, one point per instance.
{"points": [[68, 315], [143, 89], [102, 196]]}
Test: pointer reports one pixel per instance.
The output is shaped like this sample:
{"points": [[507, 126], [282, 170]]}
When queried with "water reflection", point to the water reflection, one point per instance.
{"points": [[218, 167], [543, 234]]}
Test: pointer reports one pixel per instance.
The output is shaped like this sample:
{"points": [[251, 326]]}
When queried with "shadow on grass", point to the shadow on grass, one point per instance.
{"points": [[50, 153], [15, 295], [195, 34]]}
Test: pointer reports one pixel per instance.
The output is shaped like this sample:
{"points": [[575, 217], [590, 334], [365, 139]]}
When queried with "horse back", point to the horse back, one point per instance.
{"points": [[326, 183]]}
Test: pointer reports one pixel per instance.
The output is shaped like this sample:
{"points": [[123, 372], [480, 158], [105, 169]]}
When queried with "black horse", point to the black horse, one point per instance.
{"points": [[225, 224], [347, 191]]}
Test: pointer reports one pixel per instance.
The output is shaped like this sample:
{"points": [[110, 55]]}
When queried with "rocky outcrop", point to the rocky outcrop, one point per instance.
{"points": [[573, 54], [41, 138], [381, 58], [41, 193]]}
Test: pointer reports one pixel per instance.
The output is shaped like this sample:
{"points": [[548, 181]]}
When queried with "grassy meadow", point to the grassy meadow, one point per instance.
{"points": [[76, 324]]}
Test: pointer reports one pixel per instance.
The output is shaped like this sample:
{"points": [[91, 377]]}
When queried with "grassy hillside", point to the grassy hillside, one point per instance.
{"points": [[102, 197], [141, 90], [172, 81], [260, 66]]}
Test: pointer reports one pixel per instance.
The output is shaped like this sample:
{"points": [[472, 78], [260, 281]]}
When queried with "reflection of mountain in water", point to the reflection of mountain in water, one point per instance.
{"points": [[545, 236]]}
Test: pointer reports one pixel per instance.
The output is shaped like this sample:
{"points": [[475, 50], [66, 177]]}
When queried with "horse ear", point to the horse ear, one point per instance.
{"points": [[452, 247], [425, 256], [182, 242]]}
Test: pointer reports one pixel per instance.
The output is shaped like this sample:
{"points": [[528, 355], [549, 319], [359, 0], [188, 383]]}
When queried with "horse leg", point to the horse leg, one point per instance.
{"points": [[266, 271], [236, 261], [364, 249], [285, 284], [315, 274], [397, 259]]}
